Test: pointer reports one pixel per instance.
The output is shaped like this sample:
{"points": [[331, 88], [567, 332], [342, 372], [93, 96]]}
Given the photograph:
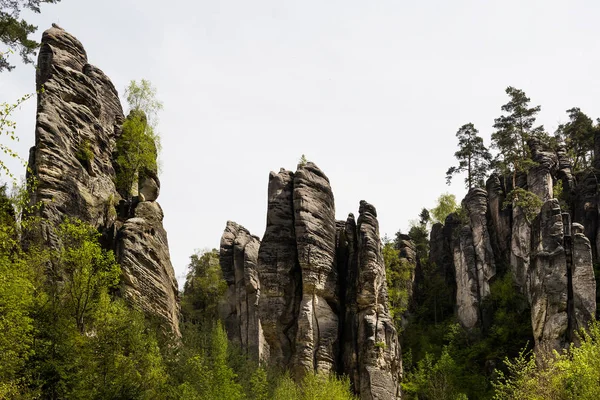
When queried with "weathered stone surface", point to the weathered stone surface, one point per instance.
{"points": [[476, 205], [143, 253], [279, 271], [564, 172], [520, 250], [473, 260], [314, 219], [539, 177], [548, 281], [500, 218], [79, 118], [467, 292], [78, 109], [379, 357], [347, 262], [238, 257], [583, 281], [321, 289]]}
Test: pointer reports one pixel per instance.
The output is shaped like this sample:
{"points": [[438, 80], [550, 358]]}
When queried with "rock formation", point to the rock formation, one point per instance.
{"points": [[550, 258], [320, 301], [79, 118]]}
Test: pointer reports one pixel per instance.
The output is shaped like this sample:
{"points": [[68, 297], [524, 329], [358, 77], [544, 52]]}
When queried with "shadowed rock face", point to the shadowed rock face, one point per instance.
{"points": [[79, 118], [548, 278], [238, 258], [279, 271], [379, 356], [322, 295]]}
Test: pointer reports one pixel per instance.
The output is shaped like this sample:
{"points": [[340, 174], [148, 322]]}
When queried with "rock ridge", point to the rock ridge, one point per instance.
{"points": [[321, 288]]}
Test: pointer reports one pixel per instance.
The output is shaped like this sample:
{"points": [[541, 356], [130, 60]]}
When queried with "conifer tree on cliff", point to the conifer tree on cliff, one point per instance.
{"points": [[14, 31], [513, 129], [578, 137], [473, 157]]}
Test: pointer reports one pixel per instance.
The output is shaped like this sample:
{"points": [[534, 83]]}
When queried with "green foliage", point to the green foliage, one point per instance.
{"points": [[14, 31], [446, 205], [141, 97], [84, 152], [138, 145], [207, 375], [578, 138], [204, 286], [473, 157], [434, 379], [512, 132], [398, 275], [528, 201], [302, 161], [8, 128], [444, 361], [572, 374], [83, 269], [314, 387]]}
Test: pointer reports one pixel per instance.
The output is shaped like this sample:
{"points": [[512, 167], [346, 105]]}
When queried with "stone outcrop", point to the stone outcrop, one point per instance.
{"points": [[548, 278], [320, 301], [238, 259], [79, 118], [550, 258], [473, 260], [379, 356]]}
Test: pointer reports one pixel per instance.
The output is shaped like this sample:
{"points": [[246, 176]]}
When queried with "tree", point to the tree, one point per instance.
{"points": [[14, 31], [446, 205], [83, 269], [472, 155], [204, 286], [138, 145], [512, 132], [8, 129], [578, 137]]}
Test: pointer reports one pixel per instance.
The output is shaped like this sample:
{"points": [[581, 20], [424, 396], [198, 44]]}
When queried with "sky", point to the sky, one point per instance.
{"points": [[373, 92]]}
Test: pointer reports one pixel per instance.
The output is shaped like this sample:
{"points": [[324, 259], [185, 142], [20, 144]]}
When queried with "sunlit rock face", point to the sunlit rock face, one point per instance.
{"points": [[321, 288], [79, 117]]}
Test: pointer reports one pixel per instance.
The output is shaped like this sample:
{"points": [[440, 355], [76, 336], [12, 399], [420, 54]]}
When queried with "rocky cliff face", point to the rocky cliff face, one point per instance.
{"points": [[549, 257], [79, 118], [320, 301]]}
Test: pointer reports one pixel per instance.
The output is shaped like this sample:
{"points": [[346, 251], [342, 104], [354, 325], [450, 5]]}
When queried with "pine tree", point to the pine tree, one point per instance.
{"points": [[578, 137], [512, 132], [472, 155]]}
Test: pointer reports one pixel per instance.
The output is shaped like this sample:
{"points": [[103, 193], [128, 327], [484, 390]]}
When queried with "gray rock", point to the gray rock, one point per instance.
{"points": [[583, 281], [500, 217], [467, 293], [314, 221], [143, 253], [379, 356], [321, 291], [539, 177], [238, 258], [79, 118], [548, 281], [279, 272]]}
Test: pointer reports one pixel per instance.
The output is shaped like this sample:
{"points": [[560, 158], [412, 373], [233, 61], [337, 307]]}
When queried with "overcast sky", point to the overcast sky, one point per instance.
{"points": [[371, 91]]}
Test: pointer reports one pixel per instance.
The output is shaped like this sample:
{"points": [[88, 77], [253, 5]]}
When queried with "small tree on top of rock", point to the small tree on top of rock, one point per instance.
{"points": [[446, 205], [473, 157], [138, 145], [512, 132]]}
